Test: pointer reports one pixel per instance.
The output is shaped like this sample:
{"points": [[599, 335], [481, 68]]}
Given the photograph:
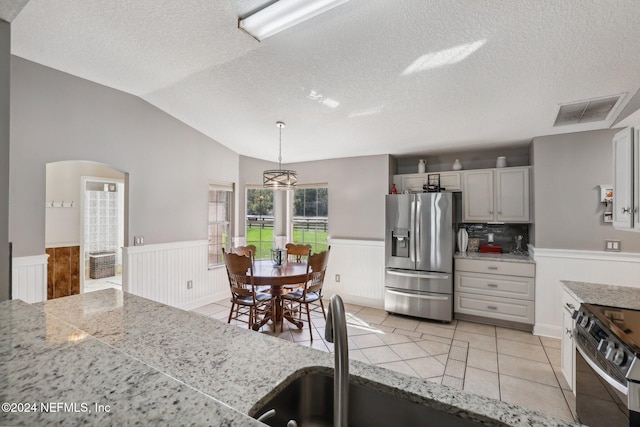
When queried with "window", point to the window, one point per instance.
{"points": [[220, 203], [311, 217], [259, 230]]}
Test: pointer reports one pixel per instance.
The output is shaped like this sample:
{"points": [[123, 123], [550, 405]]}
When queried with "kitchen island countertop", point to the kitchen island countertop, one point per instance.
{"points": [[155, 364], [600, 294]]}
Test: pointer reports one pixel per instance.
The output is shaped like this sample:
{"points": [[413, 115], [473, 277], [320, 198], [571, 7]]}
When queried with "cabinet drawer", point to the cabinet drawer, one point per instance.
{"points": [[569, 302], [508, 309], [496, 267], [497, 285]]}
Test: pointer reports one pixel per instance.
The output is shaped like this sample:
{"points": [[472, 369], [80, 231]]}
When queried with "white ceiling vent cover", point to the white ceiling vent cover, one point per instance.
{"points": [[591, 110]]}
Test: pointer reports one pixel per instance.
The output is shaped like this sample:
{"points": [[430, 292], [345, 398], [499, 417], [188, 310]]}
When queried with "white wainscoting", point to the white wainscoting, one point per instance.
{"points": [[554, 265], [29, 278], [360, 264], [160, 273]]}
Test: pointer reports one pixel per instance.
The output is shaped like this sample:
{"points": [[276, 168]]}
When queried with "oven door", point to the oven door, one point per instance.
{"points": [[601, 401]]}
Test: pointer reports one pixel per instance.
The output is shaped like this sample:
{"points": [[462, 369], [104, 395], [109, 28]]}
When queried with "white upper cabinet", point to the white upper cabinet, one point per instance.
{"points": [[477, 196], [496, 195], [626, 179], [512, 195]]}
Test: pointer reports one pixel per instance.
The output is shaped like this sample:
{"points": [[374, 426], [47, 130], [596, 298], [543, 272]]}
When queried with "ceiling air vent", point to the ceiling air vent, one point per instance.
{"points": [[592, 110]]}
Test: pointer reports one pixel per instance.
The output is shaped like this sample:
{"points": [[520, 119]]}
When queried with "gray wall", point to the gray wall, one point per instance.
{"points": [[357, 186], [5, 67], [56, 117], [568, 171], [62, 225]]}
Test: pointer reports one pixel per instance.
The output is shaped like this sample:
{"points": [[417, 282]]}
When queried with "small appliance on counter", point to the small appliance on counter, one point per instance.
{"points": [[493, 249]]}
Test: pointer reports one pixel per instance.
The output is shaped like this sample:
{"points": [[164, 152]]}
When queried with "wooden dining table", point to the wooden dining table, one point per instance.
{"points": [[266, 274]]}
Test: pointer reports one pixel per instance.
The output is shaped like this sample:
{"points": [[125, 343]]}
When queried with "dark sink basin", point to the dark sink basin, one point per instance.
{"points": [[309, 401]]}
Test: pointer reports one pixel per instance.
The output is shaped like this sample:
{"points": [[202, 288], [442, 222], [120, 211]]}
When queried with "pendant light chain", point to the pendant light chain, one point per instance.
{"points": [[280, 126]]}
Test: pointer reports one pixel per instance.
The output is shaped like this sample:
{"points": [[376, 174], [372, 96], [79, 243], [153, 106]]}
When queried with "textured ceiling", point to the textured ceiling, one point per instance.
{"points": [[368, 77]]}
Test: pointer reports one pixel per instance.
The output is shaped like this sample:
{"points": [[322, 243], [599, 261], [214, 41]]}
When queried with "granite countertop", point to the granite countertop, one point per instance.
{"points": [[161, 365], [600, 294], [505, 257]]}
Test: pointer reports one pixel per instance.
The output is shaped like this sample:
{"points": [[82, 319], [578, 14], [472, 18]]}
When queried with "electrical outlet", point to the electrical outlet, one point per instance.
{"points": [[337, 278], [189, 284], [612, 245], [138, 241]]}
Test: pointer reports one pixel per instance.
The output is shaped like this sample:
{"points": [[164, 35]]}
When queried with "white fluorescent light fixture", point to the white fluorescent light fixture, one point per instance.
{"points": [[284, 14]]}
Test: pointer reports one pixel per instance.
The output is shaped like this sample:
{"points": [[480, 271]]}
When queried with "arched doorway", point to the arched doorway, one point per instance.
{"points": [[85, 226]]}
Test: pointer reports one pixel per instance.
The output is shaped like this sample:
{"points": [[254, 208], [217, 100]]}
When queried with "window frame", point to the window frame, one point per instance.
{"points": [[261, 254], [229, 188], [292, 215]]}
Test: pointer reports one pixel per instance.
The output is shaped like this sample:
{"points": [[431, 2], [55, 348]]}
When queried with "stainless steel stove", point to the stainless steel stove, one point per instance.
{"points": [[607, 367]]}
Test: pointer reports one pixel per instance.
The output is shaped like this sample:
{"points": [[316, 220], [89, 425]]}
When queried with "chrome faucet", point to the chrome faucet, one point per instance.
{"points": [[335, 331]]}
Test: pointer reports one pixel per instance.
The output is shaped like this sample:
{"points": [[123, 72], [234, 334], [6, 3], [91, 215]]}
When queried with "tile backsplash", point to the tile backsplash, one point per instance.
{"points": [[503, 234]]}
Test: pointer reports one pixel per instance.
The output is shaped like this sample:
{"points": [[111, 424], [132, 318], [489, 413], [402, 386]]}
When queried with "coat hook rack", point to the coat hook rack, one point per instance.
{"points": [[62, 204]]}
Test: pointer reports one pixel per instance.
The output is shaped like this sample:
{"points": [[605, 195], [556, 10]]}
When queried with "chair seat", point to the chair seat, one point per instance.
{"points": [[297, 296], [247, 300]]}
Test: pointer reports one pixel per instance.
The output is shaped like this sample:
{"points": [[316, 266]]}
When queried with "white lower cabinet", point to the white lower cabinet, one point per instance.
{"points": [[498, 290], [568, 349]]}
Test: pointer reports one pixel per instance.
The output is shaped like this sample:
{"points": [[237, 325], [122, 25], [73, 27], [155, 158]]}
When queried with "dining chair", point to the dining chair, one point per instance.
{"points": [[311, 293], [296, 252], [246, 298], [249, 250]]}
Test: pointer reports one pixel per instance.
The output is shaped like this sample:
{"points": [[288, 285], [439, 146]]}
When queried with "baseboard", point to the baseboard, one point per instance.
{"points": [[219, 296], [358, 300], [494, 322], [547, 331]]}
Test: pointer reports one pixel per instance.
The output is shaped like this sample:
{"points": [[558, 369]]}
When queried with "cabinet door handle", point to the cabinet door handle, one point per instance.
{"points": [[490, 212], [571, 306], [492, 267], [568, 332], [492, 307], [492, 285], [626, 210]]}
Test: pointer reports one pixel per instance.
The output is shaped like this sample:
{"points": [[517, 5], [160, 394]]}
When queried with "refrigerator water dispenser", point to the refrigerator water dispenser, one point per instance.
{"points": [[400, 242]]}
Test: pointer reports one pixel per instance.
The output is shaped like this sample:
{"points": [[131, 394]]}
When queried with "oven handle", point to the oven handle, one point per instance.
{"points": [[404, 294], [611, 381]]}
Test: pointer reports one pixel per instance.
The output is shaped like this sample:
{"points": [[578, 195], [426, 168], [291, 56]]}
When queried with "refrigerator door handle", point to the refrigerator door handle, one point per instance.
{"points": [[418, 234], [430, 297], [437, 276], [412, 238]]}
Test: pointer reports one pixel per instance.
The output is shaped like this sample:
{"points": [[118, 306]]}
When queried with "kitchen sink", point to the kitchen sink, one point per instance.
{"points": [[308, 400]]}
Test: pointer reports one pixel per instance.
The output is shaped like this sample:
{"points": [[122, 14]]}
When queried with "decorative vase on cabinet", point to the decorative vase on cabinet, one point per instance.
{"points": [[457, 165], [422, 166]]}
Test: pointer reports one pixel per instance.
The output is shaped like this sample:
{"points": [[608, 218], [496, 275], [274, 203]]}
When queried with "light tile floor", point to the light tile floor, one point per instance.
{"points": [[91, 285], [510, 365]]}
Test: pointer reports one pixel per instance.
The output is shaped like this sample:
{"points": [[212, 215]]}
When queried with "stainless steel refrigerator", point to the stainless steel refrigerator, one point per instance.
{"points": [[419, 246]]}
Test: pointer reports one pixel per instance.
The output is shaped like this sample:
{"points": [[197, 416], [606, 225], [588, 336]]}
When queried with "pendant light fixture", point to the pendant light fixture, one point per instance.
{"points": [[279, 179]]}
